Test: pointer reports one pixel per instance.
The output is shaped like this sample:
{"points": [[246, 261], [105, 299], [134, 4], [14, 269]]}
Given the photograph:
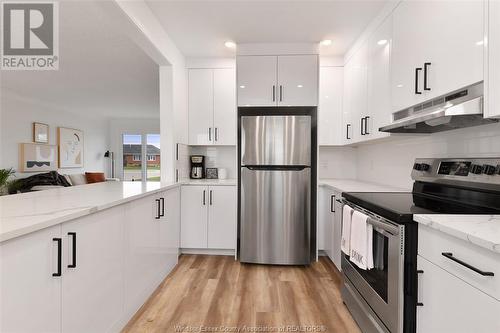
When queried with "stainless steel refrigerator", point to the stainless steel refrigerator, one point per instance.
{"points": [[275, 189]]}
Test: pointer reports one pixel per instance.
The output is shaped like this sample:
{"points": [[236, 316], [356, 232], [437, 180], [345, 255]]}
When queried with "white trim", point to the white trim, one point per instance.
{"points": [[277, 49], [213, 252]]}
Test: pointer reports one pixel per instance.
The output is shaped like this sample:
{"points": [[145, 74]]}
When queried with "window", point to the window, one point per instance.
{"points": [[138, 148]]}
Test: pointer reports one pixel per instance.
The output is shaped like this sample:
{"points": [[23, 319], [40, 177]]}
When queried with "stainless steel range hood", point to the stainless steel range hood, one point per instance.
{"points": [[461, 108]]}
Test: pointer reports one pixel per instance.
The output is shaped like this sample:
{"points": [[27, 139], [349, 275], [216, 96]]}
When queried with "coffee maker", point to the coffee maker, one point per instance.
{"points": [[197, 167]]}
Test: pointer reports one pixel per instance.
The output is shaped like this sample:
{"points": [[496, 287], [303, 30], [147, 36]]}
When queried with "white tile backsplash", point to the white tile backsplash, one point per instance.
{"points": [[337, 162], [391, 162]]}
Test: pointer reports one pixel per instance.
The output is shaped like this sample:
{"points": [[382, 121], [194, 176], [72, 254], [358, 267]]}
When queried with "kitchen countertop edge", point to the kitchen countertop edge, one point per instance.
{"points": [[481, 230]]}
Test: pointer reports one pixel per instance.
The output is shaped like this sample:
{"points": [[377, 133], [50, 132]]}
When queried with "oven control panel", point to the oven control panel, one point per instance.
{"points": [[479, 170]]}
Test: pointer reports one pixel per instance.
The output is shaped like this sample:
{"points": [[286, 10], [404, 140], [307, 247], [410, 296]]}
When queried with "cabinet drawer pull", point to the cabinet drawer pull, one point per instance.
{"points": [[362, 126], [347, 132], [59, 256], [210, 134], [417, 70], [419, 272], [216, 134], [281, 93], [210, 197], [162, 200], [158, 213], [450, 256], [366, 125], [332, 204], [73, 250], [426, 65], [204, 202], [274, 93]]}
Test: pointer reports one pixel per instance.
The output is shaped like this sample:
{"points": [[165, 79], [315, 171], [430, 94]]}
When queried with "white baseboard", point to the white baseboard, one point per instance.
{"points": [[214, 252]]}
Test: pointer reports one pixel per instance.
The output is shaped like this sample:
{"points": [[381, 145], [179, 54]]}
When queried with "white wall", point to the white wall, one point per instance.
{"points": [[118, 127], [391, 162], [144, 27], [18, 115]]}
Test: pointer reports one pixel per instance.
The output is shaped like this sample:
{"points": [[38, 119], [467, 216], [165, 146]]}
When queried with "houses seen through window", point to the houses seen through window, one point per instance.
{"points": [[138, 148]]}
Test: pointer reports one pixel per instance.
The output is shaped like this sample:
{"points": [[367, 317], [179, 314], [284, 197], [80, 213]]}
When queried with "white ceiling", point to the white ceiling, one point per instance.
{"points": [[101, 71], [199, 28]]}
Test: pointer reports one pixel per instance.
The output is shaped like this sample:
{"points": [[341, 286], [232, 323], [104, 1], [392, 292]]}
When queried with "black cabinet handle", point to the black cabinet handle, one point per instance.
{"points": [[162, 200], [426, 65], [210, 197], [158, 213], [216, 134], [366, 125], [419, 272], [204, 202], [417, 70], [73, 250], [332, 204], [274, 93], [362, 126], [210, 134], [450, 256], [347, 132], [59, 256]]}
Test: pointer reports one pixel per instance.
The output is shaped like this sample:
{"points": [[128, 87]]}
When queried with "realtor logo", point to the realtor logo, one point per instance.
{"points": [[30, 36]]}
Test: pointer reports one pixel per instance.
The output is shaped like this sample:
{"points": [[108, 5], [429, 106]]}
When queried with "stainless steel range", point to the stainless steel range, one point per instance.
{"points": [[383, 299]]}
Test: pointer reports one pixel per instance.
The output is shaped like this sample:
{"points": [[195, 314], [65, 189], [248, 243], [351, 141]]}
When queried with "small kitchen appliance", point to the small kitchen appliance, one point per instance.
{"points": [[197, 167], [384, 299]]}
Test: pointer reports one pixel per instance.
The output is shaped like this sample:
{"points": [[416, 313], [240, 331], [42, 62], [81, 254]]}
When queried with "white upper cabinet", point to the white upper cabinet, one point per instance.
{"points": [[277, 80], [355, 95], [437, 48], [212, 106], [492, 78], [298, 80], [224, 106], [378, 112], [257, 80], [331, 81], [201, 106]]}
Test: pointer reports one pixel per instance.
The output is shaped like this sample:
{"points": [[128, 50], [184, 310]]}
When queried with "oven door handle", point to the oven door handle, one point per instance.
{"points": [[386, 228]]}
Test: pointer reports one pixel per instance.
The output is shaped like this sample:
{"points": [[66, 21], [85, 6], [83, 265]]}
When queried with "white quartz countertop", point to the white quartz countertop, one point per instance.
{"points": [[210, 182], [352, 185], [482, 230], [24, 213]]}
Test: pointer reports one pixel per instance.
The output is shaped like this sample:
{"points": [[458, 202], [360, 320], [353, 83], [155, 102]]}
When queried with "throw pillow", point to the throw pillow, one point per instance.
{"points": [[95, 177], [78, 179]]}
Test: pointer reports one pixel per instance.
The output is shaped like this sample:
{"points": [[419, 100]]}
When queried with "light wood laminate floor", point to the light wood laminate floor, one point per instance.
{"points": [[220, 294]]}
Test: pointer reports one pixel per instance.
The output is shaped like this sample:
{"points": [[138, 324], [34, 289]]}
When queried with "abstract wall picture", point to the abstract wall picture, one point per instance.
{"points": [[70, 143], [211, 173], [40, 133], [37, 157]]}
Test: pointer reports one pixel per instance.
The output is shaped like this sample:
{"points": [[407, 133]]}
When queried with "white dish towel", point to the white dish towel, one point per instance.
{"points": [[345, 243], [361, 241]]}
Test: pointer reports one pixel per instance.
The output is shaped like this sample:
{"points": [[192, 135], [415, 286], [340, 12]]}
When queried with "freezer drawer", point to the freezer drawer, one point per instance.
{"points": [[275, 216], [276, 140]]}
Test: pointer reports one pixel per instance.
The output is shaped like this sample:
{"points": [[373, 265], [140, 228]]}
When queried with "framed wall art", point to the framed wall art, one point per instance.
{"points": [[36, 157], [40, 133], [70, 142]]}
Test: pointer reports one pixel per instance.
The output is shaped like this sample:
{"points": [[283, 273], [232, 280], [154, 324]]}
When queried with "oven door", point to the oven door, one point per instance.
{"points": [[382, 286]]}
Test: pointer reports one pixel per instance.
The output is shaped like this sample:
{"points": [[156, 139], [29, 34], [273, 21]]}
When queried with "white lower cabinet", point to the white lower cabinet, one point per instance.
{"points": [[30, 296], [452, 305], [208, 217], [92, 283], [329, 224], [90, 274]]}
